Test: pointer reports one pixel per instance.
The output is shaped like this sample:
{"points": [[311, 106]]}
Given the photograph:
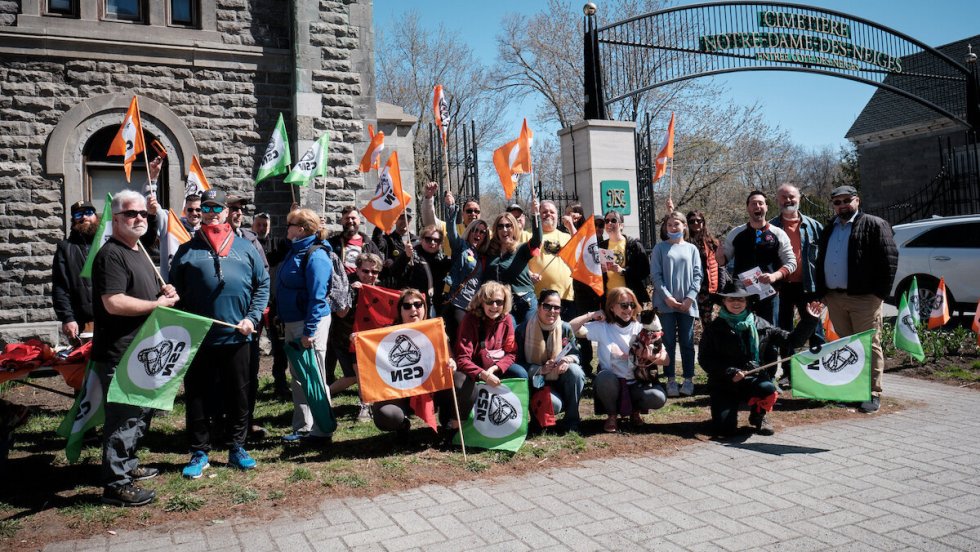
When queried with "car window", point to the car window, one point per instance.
{"points": [[965, 235]]}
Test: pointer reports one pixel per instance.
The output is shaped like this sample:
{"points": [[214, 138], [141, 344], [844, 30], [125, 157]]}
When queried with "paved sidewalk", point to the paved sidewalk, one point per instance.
{"points": [[905, 481]]}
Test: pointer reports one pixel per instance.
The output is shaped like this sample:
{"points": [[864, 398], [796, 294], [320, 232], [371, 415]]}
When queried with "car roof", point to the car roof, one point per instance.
{"points": [[936, 221]]}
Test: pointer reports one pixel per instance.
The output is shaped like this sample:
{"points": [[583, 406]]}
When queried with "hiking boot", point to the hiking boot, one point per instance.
{"points": [[239, 458], [785, 383], [687, 388], [672, 390], [872, 406], [142, 473], [197, 465], [365, 414], [127, 495], [761, 424]]}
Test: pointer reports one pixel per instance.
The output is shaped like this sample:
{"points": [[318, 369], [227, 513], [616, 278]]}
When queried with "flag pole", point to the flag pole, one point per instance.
{"points": [[146, 160], [459, 421], [445, 160]]}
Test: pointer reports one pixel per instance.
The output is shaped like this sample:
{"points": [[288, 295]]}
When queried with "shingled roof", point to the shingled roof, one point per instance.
{"points": [[887, 110]]}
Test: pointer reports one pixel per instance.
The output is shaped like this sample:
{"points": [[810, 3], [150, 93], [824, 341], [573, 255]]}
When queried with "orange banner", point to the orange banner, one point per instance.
{"points": [[940, 309], [402, 361], [129, 140], [581, 254]]}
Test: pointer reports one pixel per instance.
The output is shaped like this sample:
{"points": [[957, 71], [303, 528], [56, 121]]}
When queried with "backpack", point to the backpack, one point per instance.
{"points": [[338, 292]]}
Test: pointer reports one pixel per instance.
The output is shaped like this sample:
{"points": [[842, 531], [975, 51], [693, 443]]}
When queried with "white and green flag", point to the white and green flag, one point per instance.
{"points": [[499, 417], [276, 159], [835, 371], [914, 304], [101, 236], [153, 366], [312, 164], [87, 412], [906, 333]]}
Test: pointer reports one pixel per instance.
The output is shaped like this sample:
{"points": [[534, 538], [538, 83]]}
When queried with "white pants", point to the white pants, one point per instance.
{"points": [[302, 417]]}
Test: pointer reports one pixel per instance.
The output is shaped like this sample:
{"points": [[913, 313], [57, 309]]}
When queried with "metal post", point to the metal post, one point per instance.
{"points": [[595, 107]]}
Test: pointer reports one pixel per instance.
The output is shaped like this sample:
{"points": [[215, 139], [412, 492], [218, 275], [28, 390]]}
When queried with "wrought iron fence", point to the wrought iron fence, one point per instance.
{"points": [[462, 164], [645, 167]]}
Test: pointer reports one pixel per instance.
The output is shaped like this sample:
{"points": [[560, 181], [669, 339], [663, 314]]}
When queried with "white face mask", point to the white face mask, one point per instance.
{"points": [[790, 209]]}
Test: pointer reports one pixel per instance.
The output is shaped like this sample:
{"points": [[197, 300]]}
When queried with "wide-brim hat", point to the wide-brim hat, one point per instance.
{"points": [[732, 289]]}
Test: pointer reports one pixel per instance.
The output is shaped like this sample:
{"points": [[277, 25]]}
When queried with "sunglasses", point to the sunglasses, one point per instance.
{"points": [[627, 306], [611, 221], [369, 271], [212, 209], [695, 221], [236, 209], [839, 202], [472, 211], [133, 213], [552, 308], [417, 305], [505, 226], [431, 240], [495, 302], [479, 231], [193, 209], [79, 215]]}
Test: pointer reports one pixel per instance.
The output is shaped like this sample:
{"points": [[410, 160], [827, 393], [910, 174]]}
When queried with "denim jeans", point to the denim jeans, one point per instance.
{"points": [[678, 324]]}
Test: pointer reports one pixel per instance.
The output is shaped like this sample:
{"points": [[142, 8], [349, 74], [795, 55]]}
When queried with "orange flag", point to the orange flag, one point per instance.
{"points": [[129, 140], [976, 323], [514, 158], [389, 200], [666, 150], [581, 254], [196, 181], [829, 333], [372, 157], [940, 310], [440, 111], [403, 360]]}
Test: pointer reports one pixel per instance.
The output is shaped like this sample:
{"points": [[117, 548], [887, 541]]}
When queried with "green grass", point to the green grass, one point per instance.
{"points": [[183, 503], [89, 514], [961, 373], [300, 474], [352, 480], [9, 528], [242, 495]]}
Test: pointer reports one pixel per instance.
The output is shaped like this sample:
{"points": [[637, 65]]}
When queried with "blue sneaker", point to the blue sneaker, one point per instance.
{"points": [[294, 437], [239, 458], [197, 465]]}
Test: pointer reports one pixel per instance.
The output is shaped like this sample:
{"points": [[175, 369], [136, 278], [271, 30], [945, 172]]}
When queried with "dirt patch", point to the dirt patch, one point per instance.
{"points": [[44, 499]]}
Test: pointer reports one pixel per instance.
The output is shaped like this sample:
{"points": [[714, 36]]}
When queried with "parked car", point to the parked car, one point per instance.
{"points": [[940, 247]]}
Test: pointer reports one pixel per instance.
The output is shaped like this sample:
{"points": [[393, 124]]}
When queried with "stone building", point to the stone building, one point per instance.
{"points": [[212, 77]]}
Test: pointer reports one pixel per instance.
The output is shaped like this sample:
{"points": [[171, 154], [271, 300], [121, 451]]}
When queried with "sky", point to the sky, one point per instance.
{"points": [[816, 110]]}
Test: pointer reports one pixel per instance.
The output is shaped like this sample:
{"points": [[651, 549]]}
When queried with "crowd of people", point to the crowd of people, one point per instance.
{"points": [[511, 310]]}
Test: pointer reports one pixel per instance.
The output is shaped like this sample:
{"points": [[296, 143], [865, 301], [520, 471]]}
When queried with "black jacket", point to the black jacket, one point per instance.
{"points": [[637, 268], [872, 257], [720, 353], [71, 294]]}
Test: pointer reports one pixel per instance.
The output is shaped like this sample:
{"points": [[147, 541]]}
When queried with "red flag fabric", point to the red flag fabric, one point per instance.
{"points": [[129, 140], [440, 111], [376, 307], [581, 254], [544, 411], [940, 309], [372, 157], [666, 150], [828, 329], [425, 408]]}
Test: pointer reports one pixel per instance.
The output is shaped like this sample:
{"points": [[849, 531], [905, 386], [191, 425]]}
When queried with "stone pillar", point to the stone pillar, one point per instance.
{"points": [[593, 151], [399, 129]]}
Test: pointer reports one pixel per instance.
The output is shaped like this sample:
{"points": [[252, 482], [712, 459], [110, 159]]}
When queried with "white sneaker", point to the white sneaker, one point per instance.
{"points": [[687, 388], [672, 389], [365, 414]]}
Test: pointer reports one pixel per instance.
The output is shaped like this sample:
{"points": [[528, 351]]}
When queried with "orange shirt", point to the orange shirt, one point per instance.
{"points": [[792, 229]]}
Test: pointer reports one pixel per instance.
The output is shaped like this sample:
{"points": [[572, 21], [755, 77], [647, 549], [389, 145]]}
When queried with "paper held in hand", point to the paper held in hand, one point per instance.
{"points": [[750, 281]]}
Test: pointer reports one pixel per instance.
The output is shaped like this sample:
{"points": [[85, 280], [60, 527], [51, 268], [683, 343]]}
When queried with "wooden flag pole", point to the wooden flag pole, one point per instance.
{"points": [[155, 269], [459, 421], [445, 159]]}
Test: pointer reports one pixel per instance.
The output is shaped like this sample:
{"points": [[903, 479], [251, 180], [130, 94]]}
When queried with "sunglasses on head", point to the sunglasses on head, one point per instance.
{"points": [[79, 215], [496, 302], [839, 202], [413, 305], [212, 208], [552, 308], [133, 213], [627, 306]]}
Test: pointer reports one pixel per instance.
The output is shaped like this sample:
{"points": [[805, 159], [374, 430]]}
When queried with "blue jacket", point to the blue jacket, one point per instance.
{"points": [[241, 291], [303, 296], [809, 249]]}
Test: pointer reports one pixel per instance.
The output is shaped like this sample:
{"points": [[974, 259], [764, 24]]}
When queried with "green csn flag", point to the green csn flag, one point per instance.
{"points": [[312, 164], [499, 417], [276, 159], [914, 305], [906, 336], [307, 373], [87, 412], [153, 366], [101, 236], [835, 371]]}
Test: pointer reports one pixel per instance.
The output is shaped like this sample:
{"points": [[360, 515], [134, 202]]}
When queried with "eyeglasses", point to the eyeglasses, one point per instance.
{"points": [[235, 209], [79, 215], [495, 302], [505, 226], [369, 271], [193, 209], [627, 306], [839, 202], [212, 209], [433, 241], [413, 305], [552, 308], [133, 213], [472, 211]]}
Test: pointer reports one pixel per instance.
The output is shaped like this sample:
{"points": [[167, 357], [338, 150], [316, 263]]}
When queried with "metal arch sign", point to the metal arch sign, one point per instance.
{"points": [[637, 54]]}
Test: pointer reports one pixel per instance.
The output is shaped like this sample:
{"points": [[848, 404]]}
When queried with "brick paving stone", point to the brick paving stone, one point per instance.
{"points": [[533, 536], [746, 541], [959, 541], [295, 541], [372, 535], [421, 540], [937, 528]]}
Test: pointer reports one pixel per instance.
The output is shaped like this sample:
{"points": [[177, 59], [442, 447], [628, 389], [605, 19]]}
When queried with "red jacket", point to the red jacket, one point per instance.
{"points": [[481, 343]]}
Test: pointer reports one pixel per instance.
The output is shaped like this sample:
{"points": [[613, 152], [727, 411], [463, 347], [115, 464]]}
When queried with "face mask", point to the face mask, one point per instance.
{"points": [[791, 209], [675, 235]]}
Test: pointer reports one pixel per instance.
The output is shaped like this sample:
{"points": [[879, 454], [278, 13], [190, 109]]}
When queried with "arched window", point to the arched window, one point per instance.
{"points": [[106, 174]]}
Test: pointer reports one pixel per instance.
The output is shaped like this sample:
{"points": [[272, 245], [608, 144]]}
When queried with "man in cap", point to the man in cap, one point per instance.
{"points": [[125, 291], [221, 276], [72, 294], [525, 235], [855, 271]]}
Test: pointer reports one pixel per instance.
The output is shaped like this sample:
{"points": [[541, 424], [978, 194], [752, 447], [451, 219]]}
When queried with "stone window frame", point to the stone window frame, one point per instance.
{"points": [[71, 13], [88, 22], [63, 154], [140, 19]]}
